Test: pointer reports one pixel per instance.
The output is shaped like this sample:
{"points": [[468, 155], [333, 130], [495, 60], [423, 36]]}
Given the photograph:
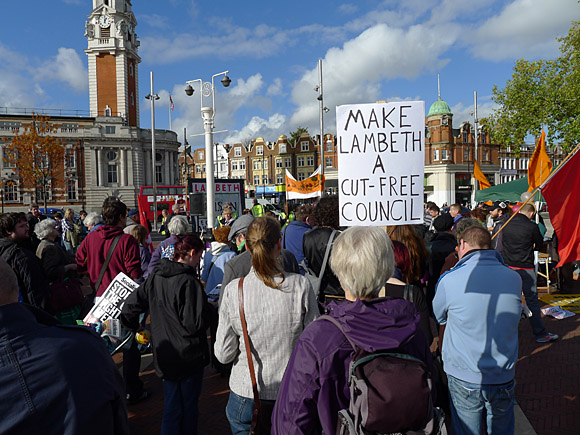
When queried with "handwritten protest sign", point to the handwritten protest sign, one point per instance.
{"points": [[111, 302], [381, 163]]}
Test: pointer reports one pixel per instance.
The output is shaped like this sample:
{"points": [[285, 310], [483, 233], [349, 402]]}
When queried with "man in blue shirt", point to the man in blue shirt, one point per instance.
{"points": [[293, 233], [480, 345]]}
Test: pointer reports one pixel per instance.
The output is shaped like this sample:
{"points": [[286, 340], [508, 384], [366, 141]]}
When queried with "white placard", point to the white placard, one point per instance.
{"points": [[381, 163], [111, 301]]}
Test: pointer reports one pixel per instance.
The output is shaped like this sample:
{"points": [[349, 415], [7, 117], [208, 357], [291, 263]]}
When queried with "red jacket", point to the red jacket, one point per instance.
{"points": [[93, 251]]}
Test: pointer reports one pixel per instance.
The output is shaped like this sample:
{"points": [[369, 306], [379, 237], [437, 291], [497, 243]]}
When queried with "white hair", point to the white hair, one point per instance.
{"points": [[178, 225], [362, 258], [92, 219], [44, 228]]}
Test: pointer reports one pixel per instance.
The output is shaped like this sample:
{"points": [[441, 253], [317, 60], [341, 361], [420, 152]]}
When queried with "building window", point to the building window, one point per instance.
{"points": [[301, 176], [131, 69], [202, 168], [43, 193], [485, 155], [260, 150], [288, 162], [132, 99], [10, 191], [242, 165], [256, 165], [71, 190], [238, 152], [279, 178], [108, 111], [304, 146], [435, 154], [278, 163], [70, 161], [264, 164], [256, 179], [112, 155], [465, 135], [328, 145], [466, 154], [109, 129], [310, 161], [282, 148], [112, 173], [328, 162], [444, 154], [234, 165], [159, 174], [264, 179], [8, 158], [223, 167], [300, 161], [201, 155]]}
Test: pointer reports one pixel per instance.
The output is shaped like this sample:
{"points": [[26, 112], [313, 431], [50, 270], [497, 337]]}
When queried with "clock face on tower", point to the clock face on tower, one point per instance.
{"points": [[104, 21]]}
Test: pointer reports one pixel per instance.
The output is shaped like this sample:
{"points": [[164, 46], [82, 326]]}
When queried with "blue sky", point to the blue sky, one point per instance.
{"points": [[371, 50]]}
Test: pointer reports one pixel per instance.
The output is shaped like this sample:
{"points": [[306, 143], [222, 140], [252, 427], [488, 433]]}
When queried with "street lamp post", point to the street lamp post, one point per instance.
{"points": [[152, 97], [208, 115], [321, 112]]}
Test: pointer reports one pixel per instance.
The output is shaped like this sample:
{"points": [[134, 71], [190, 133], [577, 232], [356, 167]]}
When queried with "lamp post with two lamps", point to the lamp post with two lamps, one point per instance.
{"points": [[208, 115], [152, 97]]}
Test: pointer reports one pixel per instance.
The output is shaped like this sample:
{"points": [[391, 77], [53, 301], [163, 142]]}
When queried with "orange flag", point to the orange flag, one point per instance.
{"points": [[540, 165], [479, 176]]}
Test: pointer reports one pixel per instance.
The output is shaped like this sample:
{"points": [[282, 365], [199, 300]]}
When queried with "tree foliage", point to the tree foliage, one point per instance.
{"points": [[38, 155], [295, 135], [541, 94]]}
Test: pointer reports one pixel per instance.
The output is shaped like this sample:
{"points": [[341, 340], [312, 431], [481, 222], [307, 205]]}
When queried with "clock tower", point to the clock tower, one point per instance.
{"points": [[113, 60]]}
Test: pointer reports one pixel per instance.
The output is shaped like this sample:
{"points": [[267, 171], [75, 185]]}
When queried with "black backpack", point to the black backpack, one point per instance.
{"points": [[390, 392]]}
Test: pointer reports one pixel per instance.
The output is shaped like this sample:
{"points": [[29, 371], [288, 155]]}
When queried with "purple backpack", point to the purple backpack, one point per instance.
{"points": [[390, 392]]}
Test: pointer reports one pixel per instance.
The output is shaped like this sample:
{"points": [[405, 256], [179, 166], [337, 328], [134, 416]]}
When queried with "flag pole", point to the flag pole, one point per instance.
{"points": [[170, 113], [568, 157]]}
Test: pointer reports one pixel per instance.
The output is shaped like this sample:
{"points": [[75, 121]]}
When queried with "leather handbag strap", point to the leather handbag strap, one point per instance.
{"points": [[107, 261], [257, 403], [327, 253]]}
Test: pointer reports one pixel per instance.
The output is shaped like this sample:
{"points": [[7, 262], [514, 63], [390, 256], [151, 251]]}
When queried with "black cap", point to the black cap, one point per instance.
{"points": [[443, 222]]}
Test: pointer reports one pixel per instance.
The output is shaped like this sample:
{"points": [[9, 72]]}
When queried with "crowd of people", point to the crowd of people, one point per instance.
{"points": [[291, 307]]}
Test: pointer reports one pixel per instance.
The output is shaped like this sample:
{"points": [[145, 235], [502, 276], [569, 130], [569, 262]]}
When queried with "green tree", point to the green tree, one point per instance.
{"points": [[295, 135], [541, 94]]}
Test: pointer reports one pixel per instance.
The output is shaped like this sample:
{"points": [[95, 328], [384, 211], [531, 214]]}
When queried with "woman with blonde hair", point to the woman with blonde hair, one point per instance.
{"points": [[277, 306], [70, 239]]}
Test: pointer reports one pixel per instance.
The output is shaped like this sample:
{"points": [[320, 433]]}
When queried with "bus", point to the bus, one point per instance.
{"points": [[167, 196]]}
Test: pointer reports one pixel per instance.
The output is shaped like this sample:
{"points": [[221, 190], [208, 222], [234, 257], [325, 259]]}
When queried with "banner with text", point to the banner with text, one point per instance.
{"points": [[381, 163], [311, 187]]}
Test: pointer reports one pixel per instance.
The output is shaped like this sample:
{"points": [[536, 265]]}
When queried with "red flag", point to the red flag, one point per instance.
{"points": [[143, 221], [171, 101], [561, 194]]}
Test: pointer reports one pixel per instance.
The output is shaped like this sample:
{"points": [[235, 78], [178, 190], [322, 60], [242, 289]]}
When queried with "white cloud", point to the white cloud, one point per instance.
{"points": [[347, 9], [524, 28], [231, 42], [155, 20], [66, 67], [353, 73], [275, 88], [269, 129]]}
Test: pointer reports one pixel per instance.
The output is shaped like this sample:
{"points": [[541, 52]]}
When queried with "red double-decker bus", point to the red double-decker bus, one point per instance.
{"points": [[166, 197]]}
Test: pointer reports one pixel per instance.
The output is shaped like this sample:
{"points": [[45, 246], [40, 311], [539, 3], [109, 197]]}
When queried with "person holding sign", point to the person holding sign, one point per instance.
{"points": [[179, 318]]}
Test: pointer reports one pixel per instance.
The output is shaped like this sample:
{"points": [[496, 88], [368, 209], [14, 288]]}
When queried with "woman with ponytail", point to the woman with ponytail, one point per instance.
{"points": [[277, 306]]}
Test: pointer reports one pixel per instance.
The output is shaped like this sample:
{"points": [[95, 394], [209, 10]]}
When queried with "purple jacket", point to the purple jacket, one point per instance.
{"points": [[315, 384]]}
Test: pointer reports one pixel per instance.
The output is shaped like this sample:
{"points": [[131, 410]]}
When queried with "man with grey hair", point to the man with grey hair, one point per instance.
{"points": [[315, 385], [44, 387]]}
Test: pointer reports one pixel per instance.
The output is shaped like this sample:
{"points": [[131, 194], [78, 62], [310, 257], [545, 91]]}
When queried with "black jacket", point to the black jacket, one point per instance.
{"points": [[32, 282], [179, 318], [440, 247], [521, 237], [315, 242]]}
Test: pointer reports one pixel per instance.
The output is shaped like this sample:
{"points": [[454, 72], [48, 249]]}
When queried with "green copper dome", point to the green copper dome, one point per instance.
{"points": [[439, 107]]}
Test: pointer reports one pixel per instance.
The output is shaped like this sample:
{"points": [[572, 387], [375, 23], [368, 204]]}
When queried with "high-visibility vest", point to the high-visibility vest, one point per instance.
{"points": [[258, 210]]}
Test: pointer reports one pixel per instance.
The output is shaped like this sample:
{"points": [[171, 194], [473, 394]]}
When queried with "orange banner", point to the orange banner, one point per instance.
{"points": [[480, 176]]}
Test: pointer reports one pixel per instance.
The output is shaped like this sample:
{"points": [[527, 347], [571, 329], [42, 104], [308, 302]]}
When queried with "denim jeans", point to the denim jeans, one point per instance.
{"points": [[531, 294], [180, 410], [468, 401], [239, 412]]}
